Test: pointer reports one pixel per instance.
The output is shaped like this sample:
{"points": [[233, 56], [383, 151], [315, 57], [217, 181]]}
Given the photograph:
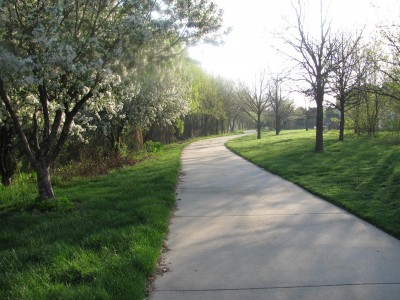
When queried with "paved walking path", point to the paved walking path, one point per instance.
{"points": [[240, 232]]}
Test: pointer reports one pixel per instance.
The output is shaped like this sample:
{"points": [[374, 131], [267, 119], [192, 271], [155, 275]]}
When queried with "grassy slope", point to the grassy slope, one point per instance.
{"points": [[105, 249], [360, 174]]}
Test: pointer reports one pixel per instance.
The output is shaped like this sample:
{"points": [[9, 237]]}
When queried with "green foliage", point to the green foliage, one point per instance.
{"points": [[152, 147], [105, 248], [180, 126], [82, 59], [360, 174]]}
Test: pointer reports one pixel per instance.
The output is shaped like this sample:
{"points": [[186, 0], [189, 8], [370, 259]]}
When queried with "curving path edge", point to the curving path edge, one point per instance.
{"points": [[240, 232]]}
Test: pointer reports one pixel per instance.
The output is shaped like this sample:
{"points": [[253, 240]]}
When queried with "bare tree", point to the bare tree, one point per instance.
{"points": [[346, 74], [255, 99], [230, 101], [390, 64], [314, 60], [370, 93], [281, 106]]}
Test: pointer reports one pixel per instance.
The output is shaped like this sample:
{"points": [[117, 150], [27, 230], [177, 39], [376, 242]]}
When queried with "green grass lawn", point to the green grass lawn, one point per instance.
{"points": [[105, 248], [360, 174], [108, 245]]}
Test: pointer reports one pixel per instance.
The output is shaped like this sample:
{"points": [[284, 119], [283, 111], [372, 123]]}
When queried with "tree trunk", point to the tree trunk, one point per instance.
{"points": [[138, 138], [8, 163], [44, 184], [259, 126], [277, 125], [357, 121], [319, 139], [6, 180], [341, 128]]}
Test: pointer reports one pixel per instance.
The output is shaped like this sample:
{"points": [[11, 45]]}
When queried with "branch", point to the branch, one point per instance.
{"points": [[70, 115], [36, 131], [43, 101]]}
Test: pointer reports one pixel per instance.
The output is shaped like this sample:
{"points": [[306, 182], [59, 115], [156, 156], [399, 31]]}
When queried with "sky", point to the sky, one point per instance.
{"points": [[252, 44]]}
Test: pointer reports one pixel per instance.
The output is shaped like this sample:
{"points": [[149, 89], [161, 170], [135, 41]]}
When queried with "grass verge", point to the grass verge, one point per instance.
{"points": [[360, 174], [106, 248]]}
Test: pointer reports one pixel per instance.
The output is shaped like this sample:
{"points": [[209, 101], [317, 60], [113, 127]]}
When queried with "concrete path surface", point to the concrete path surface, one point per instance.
{"points": [[240, 232]]}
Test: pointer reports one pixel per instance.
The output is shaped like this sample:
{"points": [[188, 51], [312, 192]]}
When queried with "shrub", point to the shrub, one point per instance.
{"points": [[91, 167], [152, 147]]}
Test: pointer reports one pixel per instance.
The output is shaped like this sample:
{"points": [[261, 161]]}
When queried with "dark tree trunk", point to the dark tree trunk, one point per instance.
{"points": [[5, 180], [319, 140], [319, 99], [44, 183], [7, 164], [8, 153], [277, 125], [259, 126], [341, 128]]}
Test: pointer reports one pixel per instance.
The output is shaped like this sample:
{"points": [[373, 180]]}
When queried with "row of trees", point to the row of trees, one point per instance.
{"points": [[109, 75], [103, 76], [69, 66], [265, 94], [362, 76]]}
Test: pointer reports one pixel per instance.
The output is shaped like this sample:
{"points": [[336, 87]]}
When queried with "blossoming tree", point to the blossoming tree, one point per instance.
{"points": [[58, 58]]}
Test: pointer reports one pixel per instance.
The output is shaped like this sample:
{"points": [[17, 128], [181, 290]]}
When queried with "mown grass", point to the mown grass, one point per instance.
{"points": [[105, 248], [361, 174]]}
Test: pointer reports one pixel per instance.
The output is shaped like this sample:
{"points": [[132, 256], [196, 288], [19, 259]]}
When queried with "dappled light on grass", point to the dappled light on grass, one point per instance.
{"points": [[360, 174], [105, 248]]}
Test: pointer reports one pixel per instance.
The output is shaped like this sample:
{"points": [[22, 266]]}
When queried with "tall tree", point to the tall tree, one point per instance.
{"points": [[390, 64], [314, 55], [63, 54], [346, 74], [391, 67], [281, 106], [256, 99], [370, 93], [231, 102]]}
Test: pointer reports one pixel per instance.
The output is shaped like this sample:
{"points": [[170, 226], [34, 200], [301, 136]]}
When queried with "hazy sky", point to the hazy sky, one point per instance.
{"points": [[251, 45]]}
